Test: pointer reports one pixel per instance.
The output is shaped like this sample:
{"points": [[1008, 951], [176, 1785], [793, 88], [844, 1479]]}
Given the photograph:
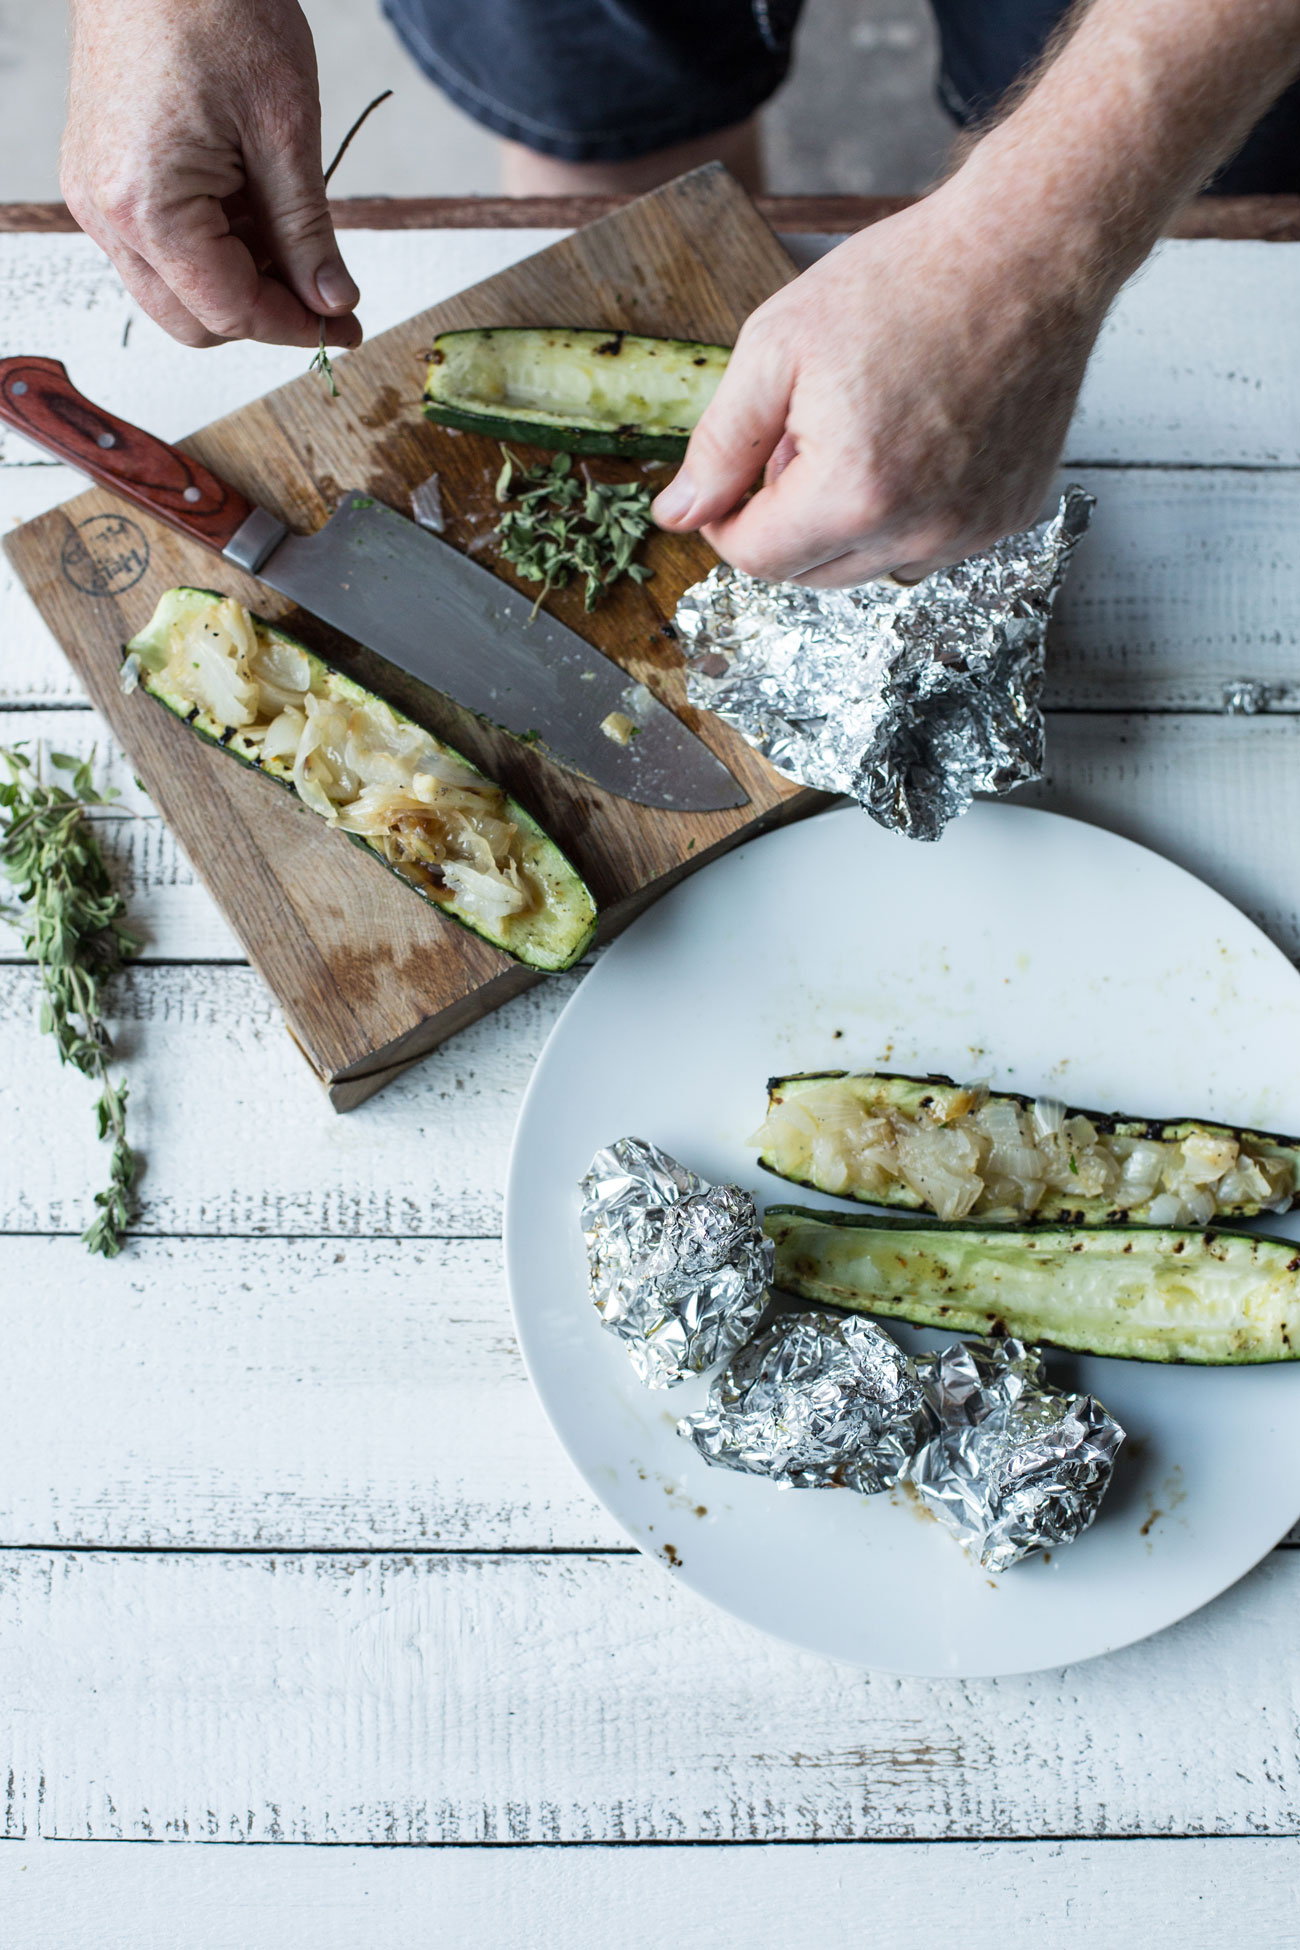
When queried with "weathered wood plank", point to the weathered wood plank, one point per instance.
{"points": [[33, 669], [46, 735], [207, 1051], [61, 297], [1218, 796], [1189, 364], [314, 1394], [1197, 1893], [1194, 365], [216, 1084], [170, 910], [1187, 582], [290, 1394], [516, 1698], [168, 907]]}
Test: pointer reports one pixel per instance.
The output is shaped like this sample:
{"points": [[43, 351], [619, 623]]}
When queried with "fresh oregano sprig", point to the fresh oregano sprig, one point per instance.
{"points": [[561, 524], [322, 362], [71, 924]]}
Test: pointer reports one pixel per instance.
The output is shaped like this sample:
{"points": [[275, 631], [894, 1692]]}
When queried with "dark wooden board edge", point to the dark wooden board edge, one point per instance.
{"points": [[1267, 219]]}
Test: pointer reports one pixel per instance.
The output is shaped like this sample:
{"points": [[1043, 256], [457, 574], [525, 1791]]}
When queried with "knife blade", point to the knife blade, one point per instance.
{"points": [[445, 619], [413, 599]]}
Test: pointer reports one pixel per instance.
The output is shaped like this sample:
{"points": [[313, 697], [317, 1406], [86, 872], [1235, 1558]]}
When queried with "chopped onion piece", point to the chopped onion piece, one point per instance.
{"points": [[283, 735], [204, 666], [1200, 1205], [1001, 1121], [489, 897], [1140, 1173], [1207, 1155], [235, 618], [938, 1165]]}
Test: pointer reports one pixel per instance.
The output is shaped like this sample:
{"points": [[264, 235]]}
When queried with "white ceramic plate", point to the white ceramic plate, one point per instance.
{"points": [[1024, 947]]}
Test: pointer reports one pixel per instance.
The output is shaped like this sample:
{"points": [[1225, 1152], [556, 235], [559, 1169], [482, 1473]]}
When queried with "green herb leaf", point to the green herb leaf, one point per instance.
{"points": [[71, 922], [323, 364], [562, 525]]}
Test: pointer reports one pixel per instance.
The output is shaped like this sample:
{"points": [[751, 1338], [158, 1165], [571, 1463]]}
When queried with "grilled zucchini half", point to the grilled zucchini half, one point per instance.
{"points": [[1137, 1292], [961, 1151], [584, 392], [444, 829]]}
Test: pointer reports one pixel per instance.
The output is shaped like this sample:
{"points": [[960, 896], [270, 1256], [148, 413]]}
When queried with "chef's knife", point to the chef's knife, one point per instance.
{"points": [[396, 588]]}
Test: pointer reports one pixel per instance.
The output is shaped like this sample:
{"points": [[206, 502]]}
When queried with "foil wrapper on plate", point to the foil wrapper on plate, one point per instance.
{"points": [[910, 698], [819, 1400], [1015, 1466], [679, 1268]]}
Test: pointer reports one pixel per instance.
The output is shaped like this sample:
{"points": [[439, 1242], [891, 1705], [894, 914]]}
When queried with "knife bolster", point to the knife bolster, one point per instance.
{"points": [[253, 541]]}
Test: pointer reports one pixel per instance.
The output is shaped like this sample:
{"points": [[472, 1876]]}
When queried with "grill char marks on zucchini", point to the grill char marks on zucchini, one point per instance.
{"points": [[585, 392], [959, 1151], [381, 780], [1134, 1292]]}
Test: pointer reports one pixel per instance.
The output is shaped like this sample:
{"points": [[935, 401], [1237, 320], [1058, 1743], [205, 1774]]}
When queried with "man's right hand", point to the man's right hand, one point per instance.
{"points": [[192, 156]]}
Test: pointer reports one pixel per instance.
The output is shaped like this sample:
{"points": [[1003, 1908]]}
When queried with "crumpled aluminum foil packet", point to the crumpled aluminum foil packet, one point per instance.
{"points": [[679, 1268], [910, 698], [1015, 1466], [819, 1400]]}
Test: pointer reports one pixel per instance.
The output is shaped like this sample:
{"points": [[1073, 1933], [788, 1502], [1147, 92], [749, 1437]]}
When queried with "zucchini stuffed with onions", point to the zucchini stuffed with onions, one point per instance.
{"points": [[1137, 1292], [390, 786], [963, 1151], [584, 392]]}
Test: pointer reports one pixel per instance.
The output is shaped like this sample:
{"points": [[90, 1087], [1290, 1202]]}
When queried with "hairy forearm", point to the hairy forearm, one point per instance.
{"points": [[1134, 106]]}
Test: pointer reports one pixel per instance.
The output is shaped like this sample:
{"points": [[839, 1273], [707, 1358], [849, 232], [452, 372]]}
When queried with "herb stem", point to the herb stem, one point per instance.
{"points": [[322, 362], [342, 149]]}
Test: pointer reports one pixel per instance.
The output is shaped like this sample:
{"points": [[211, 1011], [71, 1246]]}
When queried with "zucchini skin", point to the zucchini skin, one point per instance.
{"points": [[910, 1093], [633, 445], [560, 870], [567, 427], [1136, 1293]]}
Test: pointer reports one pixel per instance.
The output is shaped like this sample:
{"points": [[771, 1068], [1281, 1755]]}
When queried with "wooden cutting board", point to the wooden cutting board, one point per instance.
{"points": [[370, 977]]}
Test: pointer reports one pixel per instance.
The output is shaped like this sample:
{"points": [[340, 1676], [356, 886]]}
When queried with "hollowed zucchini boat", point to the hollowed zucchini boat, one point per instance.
{"points": [[391, 787], [958, 1151], [585, 392], [1140, 1293]]}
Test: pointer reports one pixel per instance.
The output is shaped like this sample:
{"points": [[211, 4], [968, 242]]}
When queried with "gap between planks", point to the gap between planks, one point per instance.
{"points": [[1265, 218], [592, 1698], [315, 1395], [1216, 793], [654, 1895], [503, 1845], [1181, 589]]}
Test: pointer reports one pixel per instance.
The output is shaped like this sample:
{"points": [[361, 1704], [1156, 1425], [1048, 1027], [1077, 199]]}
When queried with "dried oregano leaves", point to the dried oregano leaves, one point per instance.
{"points": [[560, 525]]}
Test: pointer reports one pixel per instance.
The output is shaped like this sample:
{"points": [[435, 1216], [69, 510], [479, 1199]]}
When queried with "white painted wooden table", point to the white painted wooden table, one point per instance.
{"points": [[287, 1553]]}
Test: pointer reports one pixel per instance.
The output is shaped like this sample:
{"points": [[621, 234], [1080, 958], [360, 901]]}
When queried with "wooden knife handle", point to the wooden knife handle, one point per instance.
{"points": [[38, 398]]}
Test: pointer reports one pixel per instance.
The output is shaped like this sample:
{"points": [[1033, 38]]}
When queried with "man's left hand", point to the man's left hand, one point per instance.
{"points": [[905, 401]]}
